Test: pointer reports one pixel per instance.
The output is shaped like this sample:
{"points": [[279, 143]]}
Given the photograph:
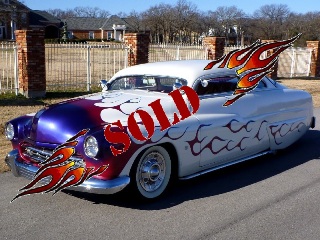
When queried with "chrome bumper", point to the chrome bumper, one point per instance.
{"points": [[92, 185]]}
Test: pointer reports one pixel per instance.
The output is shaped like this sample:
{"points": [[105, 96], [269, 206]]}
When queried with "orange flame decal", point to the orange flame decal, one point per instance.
{"points": [[251, 69], [62, 171]]}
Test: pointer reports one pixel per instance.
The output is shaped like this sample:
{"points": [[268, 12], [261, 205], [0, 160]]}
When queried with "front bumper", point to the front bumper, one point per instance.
{"points": [[92, 185]]}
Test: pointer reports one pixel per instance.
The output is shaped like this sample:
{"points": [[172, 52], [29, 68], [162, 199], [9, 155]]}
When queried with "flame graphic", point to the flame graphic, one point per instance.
{"points": [[251, 69], [62, 171], [227, 144], [280, 131]]}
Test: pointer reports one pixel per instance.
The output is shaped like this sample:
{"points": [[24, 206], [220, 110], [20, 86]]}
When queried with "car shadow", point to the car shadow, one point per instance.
{"points": [[221, 181]]}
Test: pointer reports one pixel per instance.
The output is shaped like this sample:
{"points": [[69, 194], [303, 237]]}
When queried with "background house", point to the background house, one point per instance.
{"points": [[112, 27], [42, 19], [13, 15]]}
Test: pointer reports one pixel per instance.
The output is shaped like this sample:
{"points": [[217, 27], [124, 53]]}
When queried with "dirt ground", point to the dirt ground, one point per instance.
{"points": [[13, 108]]}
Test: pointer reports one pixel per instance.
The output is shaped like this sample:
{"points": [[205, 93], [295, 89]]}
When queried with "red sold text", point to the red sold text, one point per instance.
{"points": [[121, 137]]}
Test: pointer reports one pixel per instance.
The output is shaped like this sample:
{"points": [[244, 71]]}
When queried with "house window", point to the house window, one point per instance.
{"points": [[24, 17], [91, 35], [109, 35], [70, 34]]}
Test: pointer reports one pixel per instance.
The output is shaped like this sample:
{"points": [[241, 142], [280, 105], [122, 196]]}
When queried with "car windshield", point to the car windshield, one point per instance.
{"points": [[148, 83]]}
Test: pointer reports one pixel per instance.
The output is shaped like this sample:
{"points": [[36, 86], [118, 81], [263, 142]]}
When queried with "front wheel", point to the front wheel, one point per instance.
{"points": [[152, 172]]}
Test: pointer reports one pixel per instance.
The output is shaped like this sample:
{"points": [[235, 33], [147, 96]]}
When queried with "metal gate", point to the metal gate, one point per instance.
{"points": [[167, 52], [81, 66], [294, 62], [8, 67]]}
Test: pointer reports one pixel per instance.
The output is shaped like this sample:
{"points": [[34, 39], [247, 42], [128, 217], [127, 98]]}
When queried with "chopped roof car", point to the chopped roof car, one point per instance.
{"points": [[266, 119]]}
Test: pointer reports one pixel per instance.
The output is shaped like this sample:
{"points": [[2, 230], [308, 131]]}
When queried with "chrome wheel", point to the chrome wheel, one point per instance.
{"points": [[153, 172]]}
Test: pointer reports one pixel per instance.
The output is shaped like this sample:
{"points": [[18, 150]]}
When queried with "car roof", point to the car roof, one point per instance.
{"points": [[186, 69]]}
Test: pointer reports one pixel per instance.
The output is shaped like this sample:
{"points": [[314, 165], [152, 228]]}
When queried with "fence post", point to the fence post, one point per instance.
{"points": [[138, 44], [15, 69], [178, 53], [315, 58], [215, 47], [88, 69], [31, 62]]}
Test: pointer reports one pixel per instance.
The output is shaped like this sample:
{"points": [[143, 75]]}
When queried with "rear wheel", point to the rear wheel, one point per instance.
{"points": [[152, 172]]}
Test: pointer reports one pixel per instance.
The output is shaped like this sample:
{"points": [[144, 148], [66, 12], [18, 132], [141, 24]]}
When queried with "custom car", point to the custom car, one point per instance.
{"points": [[268, 118]]}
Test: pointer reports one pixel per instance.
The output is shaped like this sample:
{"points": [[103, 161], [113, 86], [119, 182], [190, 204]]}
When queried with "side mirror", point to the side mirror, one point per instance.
{"points": [[104, 84]]}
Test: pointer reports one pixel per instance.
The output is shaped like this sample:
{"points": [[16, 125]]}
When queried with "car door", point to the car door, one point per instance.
{"points": [[228, 133]]}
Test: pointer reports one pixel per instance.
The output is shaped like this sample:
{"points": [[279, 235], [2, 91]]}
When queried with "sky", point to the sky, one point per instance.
{"points": [[126, 6]]}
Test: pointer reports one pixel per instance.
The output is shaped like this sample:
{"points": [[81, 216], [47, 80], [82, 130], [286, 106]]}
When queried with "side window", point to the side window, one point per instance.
{"points": [[166, 83], [149, 81], [217, 85]]}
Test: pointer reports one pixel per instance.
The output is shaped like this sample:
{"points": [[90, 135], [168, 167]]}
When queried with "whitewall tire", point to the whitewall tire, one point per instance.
{"points": [[152, 172]]}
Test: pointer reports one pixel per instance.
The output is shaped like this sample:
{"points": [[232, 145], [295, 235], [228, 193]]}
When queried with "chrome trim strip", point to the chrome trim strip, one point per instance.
{"points": [[92, 185], [41, 155], [225, 165]]}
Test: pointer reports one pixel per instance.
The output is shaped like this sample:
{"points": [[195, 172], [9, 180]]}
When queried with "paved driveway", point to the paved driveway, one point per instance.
{"points": [[272, 197]]}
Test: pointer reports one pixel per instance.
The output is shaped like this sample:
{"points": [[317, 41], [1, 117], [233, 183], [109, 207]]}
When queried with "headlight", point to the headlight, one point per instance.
{"points": [[91, 146], [9, 131]]}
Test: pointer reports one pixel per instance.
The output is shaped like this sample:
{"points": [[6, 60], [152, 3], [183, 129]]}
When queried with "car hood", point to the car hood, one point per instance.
{"points": [[59, 122]]}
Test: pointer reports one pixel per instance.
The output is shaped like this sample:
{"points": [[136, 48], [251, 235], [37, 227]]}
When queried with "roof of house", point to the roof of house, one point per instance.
{"points": [[113, 19], [43, 18], [12, 5], [87, 23]]}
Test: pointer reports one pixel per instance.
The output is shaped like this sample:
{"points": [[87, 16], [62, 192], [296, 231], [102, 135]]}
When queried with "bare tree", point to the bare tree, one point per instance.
{"points": [[311, 25], [159, 20], [185, 15], [135, 20], [270, 21], [59, 13], [228, 21], [93, 12]]}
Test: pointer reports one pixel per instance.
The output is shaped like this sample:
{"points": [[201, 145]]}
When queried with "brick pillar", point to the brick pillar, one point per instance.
{"points": [[274, 73], [139, 47], [315, 58], [31, 62], [215, 47]]}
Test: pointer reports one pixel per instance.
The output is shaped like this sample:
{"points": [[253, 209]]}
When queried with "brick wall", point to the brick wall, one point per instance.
{"points": [[31, 62], [139, 47], [215, 47], [84, 34], [315, 58]]}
